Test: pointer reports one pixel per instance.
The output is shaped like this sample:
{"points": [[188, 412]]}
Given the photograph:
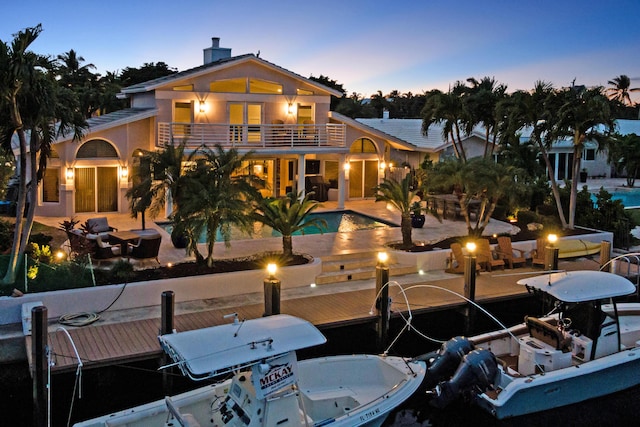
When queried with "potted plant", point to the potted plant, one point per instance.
{"points": [[583, 175], [417, 217]]}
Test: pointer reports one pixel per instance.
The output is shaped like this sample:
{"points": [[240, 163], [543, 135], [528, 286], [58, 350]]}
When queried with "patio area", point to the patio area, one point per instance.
{"points": [[317, 245]]}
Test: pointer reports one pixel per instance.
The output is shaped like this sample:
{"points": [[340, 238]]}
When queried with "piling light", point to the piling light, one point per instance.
{"points": [[271, 269]]}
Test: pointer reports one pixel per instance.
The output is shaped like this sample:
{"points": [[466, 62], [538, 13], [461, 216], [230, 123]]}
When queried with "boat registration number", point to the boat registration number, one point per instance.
{"points": [[368, 415]]}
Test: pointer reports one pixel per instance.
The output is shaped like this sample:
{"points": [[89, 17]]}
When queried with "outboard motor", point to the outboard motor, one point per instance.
{"points": [[442, 364], [477, 370]]}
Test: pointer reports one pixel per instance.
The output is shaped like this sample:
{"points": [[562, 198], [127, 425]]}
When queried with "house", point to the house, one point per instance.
{"points": [[252, 105]]}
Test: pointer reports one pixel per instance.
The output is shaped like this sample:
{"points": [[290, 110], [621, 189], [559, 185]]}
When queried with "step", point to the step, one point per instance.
{"points": [[347, 264], [362, 274], [373, 255]]}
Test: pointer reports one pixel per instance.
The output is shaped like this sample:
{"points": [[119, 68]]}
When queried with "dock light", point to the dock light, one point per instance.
{"points": [[552, 238], [551, 253], [471, 246], [271, 269], [383, 257]]}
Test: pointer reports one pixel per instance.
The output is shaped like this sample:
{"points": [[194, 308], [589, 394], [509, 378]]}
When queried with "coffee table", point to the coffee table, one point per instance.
{"points": [[123, 238]]}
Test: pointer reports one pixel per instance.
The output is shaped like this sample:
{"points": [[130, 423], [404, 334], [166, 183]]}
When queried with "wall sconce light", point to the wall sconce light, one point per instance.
{"points": [[383, 165], [290, 108], [203, 107], [124, 172], [69, 174], [347, 166]]}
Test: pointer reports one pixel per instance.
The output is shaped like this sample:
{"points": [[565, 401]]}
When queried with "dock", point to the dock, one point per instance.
{"points": [[122, 338]]}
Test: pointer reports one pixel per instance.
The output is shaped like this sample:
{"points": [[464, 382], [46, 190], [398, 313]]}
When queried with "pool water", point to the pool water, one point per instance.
{"points": [[630, 198], [337, 222]]}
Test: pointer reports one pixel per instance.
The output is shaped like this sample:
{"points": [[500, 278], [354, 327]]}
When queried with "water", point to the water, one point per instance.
{"points": [[630, 198], [109, 389], [339, 221]]}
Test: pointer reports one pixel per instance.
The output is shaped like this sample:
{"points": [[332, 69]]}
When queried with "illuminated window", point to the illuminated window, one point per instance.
{"points": [[96, 148], [304, 92], [363, 145], [263, 86], [185, 88], [231, 85]]}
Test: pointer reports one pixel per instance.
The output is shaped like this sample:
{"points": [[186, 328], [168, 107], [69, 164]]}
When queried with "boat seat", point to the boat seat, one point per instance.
{"points": [[185, 420], [547, 333]]}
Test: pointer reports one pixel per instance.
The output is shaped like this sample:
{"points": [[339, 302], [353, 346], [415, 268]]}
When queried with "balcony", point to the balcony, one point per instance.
{"points": [[254, 137]]}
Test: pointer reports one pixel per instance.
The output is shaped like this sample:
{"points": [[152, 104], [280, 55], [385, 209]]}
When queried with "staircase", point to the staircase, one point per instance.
{"points": [[356, 266]]}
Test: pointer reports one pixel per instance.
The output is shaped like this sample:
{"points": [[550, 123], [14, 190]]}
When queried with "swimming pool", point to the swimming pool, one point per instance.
{"points": [[337, 222], [630, 197]]}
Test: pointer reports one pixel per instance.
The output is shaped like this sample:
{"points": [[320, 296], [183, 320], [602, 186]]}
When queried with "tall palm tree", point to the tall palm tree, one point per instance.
{"points": [[33, 105], [447, 109], [288, 215], [621, 86], [480, 104], [214, 196]]}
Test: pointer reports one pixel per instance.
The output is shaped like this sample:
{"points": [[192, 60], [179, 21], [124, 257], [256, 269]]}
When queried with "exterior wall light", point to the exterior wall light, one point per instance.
{"points": [[290, 108], [203, 107], [69, 174], [124, 172]]}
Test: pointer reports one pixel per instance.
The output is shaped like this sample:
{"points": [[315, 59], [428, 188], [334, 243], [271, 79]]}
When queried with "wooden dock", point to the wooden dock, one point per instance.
{"points": [[104, 344]]}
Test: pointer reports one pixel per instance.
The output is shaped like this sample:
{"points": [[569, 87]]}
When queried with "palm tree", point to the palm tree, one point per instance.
{"points": [[480, 104], [621, 86], [401, 196], [288, 215], [214, 196], [446, 108], [31, 101]]}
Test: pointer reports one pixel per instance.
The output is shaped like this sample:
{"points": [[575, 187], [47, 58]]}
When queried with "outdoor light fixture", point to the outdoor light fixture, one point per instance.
{"points": [[471, 246], [124, 172], [552, 238], [271, 269], [203, 107], [347, 166], [383, 165], [383, 257], [290, 108], [69, 173]]}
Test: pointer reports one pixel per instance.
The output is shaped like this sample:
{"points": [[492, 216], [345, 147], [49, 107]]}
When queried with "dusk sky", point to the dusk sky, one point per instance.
{"points": [[406, 45]]}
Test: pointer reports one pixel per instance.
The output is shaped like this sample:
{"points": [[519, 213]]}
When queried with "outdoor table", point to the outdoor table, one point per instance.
{"points": [[123, 238]]}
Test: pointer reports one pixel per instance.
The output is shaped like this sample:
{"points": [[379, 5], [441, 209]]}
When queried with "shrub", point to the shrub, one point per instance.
{"points": [[526, 217]]}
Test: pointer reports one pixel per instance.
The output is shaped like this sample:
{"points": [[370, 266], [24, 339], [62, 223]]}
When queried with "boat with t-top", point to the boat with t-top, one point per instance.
{"points": [[267, 386]]}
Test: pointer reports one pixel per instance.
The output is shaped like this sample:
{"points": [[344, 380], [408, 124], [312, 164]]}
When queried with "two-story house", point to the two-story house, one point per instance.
{"points": [[242, 102]]}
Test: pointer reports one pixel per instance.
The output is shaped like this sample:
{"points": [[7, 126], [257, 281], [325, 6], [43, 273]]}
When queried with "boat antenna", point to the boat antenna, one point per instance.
{"points": [[235, 322]]}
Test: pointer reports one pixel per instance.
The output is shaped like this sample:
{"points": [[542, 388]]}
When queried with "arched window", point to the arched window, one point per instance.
{"points": [[96, 148], [363, 145]]}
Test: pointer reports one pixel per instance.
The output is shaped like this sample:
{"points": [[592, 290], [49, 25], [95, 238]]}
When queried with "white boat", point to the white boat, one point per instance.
{"points": [[586, 348], [268, 386]]}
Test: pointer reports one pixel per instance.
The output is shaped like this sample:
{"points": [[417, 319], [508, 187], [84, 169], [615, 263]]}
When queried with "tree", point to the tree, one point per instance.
{"points": [[401, 195], [149, 71], [624, 155], [288, 215], [480, 104], [621, 86], [213, 196], [32, 103], [81, 80]]}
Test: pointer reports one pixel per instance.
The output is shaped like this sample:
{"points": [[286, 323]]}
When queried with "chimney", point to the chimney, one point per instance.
{"points": [[215, 52]]}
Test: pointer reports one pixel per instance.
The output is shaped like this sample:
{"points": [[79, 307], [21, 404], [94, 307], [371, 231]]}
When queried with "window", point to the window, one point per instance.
{"points": [[51, 185], [231, 85], [184, 88], [589, 154], [264, 86], [305, 114], [182, 112], [96, 148], [303, 92], [363, 145]]}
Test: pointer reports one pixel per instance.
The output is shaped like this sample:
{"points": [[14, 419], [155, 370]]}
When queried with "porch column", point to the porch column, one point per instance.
{"points": [[342, 182], [301, 174]]}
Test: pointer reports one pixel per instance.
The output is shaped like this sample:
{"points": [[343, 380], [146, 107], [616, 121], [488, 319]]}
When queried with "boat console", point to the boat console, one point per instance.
{"points": [[546, 349]]}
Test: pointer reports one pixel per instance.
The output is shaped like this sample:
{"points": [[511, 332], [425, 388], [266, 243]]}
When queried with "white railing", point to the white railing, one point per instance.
{"points": [[252, 136]]}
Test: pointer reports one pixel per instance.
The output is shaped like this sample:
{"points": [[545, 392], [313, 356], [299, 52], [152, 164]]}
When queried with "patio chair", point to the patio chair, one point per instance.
{"points": [[538, 253], [147, 247], [104, 251], [508, 253], [99, 225], [456, 260], [487, 257]]}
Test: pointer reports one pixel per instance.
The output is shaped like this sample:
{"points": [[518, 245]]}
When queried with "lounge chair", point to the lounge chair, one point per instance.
{"points": [[104, 251], [487, 257], [99, 225], [456, 260], [147, 247], [508, 253], [538, 253]]}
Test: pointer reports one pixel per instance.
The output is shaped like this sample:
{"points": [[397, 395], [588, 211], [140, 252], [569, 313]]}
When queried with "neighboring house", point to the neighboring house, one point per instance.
{"points": [[250, 104]]}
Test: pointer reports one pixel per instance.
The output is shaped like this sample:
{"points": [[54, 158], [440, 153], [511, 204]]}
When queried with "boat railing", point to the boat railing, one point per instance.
{"points": [[630, 259]]}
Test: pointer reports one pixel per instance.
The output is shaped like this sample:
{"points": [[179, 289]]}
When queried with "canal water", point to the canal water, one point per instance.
{"points": [[109, 389]]}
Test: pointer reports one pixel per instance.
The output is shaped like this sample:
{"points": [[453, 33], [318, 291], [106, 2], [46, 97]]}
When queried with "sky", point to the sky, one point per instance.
{"points": [[367, 46]]}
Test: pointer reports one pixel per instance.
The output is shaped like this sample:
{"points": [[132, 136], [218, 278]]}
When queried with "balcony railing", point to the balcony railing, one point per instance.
{"points": [[253, 136]]}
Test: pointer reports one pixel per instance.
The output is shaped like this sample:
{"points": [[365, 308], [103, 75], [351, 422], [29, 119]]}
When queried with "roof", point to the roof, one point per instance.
{"points": [[410, 130], [116, 118], [220, 64], [208, 352], [580, 286]]}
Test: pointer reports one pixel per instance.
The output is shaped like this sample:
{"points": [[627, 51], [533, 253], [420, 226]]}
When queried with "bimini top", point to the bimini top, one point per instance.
{"points": [[205, 353], [579, 286]]}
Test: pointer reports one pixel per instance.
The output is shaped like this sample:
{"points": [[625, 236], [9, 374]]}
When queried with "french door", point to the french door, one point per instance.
{"points": [[96, 189], [363, 177]]}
